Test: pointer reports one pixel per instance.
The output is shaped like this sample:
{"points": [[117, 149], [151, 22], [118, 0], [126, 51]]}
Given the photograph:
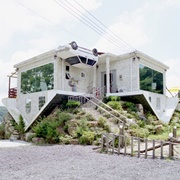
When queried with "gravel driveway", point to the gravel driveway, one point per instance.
{"points": [[69, 162]]}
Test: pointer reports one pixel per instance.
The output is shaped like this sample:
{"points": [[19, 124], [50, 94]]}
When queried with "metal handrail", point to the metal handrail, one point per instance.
{"points": [[104, 108], [107, 106]]}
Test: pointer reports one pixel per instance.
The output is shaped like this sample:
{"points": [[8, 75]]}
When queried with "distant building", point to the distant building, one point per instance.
{"points": [[45, 80]]}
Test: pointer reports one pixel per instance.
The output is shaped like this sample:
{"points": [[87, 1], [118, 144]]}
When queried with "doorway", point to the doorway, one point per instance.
{"points": [[112, 79]]}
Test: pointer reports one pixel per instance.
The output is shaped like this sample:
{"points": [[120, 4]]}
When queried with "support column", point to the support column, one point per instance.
{"points": [[107, 75], [62, 74], [56, 72], [94, 79]]}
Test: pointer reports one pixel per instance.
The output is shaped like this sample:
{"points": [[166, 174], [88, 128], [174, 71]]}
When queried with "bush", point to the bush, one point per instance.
{"points": [[63, 117], [21, 125], [139, 132], [89, 117], [111, 98], [101, 122], [114, 105], [82, 126], [65, 139], [87, 138], [2, 131], [47, 130], [72, 104], [129, 106]]}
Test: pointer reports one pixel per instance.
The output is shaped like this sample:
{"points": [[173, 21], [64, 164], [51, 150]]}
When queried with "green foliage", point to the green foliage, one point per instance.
{"points": [[141, 123], [3, 111], [63, 117], [111, 98], [87, 138], [47, 127], [115, 105], [129, 106], [102, 122], [47, 130], [21, 125], [89, 117], [139, 132], [72, 104], [2, 131], [65, 139]]}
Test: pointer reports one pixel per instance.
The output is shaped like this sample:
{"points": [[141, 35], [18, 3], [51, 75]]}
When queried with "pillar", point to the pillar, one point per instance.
{"points": [[107, 75], [94, 79]]}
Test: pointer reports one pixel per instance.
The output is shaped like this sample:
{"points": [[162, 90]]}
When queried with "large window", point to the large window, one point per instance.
{"points": [[150, 80], [38, 79], [41, 101], [28, 106]]}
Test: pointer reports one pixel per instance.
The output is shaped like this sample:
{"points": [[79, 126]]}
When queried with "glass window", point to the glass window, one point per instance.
{"points": [[83, 74], [41, 101], [28, 106], [150, 80], [38, 79], [67, 68], [158, 105]]}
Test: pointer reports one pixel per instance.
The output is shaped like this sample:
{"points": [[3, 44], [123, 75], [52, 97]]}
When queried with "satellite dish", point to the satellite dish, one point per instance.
{"points": [[95, 52], [74, 45]]}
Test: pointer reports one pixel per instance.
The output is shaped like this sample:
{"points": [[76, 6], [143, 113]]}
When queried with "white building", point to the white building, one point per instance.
{"points": [[44, 81]]}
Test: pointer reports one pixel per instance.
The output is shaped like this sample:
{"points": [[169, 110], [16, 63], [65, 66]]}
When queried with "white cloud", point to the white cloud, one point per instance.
{"points": [[24, 16], [130, 27], [168, 3], [173, 73]]}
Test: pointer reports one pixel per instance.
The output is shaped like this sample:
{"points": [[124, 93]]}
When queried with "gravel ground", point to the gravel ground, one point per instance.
{"points": [[68, 162]]}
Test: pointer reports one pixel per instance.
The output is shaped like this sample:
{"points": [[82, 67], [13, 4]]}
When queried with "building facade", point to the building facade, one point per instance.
{"points": [[45, 80]]}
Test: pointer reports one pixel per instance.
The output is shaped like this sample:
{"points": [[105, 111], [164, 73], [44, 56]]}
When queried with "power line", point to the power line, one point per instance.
{"points": [[124, 46], [104, 26], [87, 23], [48, 20]]}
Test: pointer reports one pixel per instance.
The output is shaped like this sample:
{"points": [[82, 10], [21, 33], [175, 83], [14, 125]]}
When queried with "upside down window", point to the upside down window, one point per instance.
{"points": [[150, 79], [41, 101], [28, 106]]}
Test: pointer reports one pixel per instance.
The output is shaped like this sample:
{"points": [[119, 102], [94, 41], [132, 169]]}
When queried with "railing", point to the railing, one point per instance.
{"points": [[139, 147], [12, 93], [93, 100]]}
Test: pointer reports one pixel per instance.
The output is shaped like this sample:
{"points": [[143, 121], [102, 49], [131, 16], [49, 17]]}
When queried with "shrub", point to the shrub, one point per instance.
{"points": [[72, 104], [111, 98], [87, 138], [2, 131], [139, 132], [114, 105], [47, 130], [107, 115], [82, 126], [141, 123], [63, 117], [89, 117], [21, 125], [101, 122], [65, 139], [129, 106]]}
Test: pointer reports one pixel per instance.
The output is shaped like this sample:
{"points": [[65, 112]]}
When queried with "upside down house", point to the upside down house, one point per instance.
{"points": [[44, 81]]}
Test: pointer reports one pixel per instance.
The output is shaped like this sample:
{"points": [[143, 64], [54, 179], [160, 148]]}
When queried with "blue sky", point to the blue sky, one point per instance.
{"points": [[28, 28]]}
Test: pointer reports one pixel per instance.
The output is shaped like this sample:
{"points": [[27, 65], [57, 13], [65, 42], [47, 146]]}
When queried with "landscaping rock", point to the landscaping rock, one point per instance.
{"points": [[60, 130], [29, 136], [74, 141], [158, 129], [71, 130], [38, 140], [72, 123], [93, 123]]}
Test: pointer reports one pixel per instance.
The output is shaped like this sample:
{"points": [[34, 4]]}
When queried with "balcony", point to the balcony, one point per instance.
{"points": [[12, 93]]}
